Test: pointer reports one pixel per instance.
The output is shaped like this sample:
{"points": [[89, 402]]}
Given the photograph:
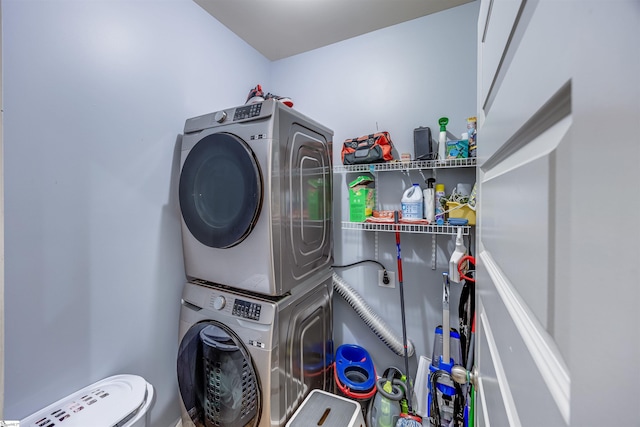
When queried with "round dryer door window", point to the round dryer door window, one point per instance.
{"points": [[220, 190], [217, 381]]}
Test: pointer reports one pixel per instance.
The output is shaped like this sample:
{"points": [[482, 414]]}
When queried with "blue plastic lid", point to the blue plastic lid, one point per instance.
{"points": [[458, 221], [354, 368]]}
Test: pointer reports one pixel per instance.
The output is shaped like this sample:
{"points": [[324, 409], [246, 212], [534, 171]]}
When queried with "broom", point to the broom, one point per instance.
{"points": [[410, 419]]}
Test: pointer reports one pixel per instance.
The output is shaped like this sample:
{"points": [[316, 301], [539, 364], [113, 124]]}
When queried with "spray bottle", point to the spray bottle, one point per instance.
{"points": [[429, 198], [456, 256], [442, 138], [439, 209]]}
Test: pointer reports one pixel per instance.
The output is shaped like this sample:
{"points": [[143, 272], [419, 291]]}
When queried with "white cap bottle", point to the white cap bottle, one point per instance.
{"points": [[442, 138], [412, 203], [429, 201], [456, 256]]}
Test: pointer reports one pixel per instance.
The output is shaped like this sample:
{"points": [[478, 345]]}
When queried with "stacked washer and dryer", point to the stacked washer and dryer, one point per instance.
{"points": [[256, 328]]}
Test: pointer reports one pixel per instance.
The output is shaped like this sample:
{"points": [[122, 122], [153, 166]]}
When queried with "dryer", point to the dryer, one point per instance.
{"points": [[249, 360], [256, 197]]}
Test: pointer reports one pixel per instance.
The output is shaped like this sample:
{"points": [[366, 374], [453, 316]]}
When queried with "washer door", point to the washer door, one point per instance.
{"points": [[216, 377], [220, 190]]}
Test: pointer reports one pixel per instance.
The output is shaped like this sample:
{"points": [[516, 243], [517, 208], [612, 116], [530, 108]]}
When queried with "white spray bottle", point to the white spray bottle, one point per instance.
{"points": [[456, 256], [429, 198], [442, 138]]}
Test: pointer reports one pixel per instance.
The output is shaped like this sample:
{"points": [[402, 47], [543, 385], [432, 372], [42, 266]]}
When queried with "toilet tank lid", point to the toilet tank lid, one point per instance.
{"points": [[109, 402]]}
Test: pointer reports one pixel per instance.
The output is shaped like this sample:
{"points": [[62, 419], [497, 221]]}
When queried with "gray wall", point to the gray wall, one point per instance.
{"points": [[394, 79], [95, 96]]}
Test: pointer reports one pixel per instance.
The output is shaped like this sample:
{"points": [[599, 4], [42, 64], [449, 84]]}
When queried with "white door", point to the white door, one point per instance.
{"points": [[557, 336]]}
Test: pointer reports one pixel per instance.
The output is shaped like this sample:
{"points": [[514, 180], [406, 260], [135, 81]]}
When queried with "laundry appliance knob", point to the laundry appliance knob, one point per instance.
{"points": [[220, 116], [219, 303]]}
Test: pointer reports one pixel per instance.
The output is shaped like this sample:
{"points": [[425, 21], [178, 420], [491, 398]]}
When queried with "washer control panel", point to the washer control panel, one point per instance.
{"points": [[225, 306], [246, 309], [247, 111]]}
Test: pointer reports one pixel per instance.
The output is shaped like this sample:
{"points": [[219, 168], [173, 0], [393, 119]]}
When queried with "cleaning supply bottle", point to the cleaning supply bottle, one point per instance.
{"points": [[429, 196], [464, 146], [473, 197], [439, 209], [471, 130], [442, 138], [456, 256], [412, 203]]}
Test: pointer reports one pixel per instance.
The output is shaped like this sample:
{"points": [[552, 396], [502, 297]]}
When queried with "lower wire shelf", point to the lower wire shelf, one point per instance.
{"points": [[406, 227]]}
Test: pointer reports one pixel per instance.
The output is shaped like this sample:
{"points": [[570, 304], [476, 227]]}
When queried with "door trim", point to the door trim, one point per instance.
{"points": [[501, 376], [540, 344]]}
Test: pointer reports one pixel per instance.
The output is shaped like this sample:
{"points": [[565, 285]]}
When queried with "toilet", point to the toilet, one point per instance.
{"points": [[118, 401]]}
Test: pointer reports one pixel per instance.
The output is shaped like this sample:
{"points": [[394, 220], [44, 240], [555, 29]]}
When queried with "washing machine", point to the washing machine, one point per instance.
{"points": [[247, 360], [256, 197]]}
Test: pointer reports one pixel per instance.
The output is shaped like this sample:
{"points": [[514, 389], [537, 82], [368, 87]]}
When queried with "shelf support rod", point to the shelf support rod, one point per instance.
{"points": [[376, 252], [433, 251]]}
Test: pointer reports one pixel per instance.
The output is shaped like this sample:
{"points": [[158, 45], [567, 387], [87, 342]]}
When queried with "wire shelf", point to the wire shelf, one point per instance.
{"points": [[411, 165], [406, 228]]}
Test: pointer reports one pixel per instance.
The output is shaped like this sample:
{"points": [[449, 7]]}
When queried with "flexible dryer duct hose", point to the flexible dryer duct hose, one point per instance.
{"points": [[366, 313]]}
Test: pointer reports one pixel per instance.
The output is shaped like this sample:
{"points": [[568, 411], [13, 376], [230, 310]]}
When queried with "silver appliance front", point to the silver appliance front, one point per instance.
{"points": [[249, 360], [256, 198]]}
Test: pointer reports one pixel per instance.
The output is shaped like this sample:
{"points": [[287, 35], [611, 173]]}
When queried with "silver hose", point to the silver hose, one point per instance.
{"points": [[372, 320]]}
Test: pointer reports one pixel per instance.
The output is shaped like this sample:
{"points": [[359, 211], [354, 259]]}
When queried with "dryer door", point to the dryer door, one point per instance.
{"points": [[216, 377], [220, 190]]}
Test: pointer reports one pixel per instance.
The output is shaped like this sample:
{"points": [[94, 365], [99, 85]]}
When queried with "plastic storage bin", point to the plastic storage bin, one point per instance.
{"points": [[456, 210]]}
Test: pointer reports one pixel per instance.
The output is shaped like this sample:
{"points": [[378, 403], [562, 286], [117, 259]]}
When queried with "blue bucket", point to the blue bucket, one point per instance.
{"points": [[354, 369]]}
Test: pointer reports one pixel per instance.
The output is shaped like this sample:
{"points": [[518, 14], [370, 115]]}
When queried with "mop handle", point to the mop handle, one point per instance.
{"points": [[395, 217], [445, 318], [404, 322]]}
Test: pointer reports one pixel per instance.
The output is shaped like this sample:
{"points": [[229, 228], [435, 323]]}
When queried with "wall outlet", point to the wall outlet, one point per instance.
{"points": [[392, 279]]}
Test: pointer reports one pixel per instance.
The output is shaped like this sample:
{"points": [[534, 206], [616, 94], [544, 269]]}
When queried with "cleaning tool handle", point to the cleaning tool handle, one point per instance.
{"points": [[402, 311], [399, 257], [445, 318]]}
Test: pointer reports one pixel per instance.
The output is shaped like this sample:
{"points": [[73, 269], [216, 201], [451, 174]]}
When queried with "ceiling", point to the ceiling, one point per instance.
{"points": [[282, 28]]}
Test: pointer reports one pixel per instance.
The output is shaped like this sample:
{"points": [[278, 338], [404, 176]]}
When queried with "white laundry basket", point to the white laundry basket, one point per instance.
{"points": [[118, 401]]}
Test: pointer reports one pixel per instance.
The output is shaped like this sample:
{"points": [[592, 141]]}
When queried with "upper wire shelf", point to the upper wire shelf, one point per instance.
{"points": [[406, 228], [410, 165]]}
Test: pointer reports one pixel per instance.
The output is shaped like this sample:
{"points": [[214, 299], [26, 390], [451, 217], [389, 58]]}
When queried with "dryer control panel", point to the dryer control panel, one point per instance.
{"points": [[246, 309]]}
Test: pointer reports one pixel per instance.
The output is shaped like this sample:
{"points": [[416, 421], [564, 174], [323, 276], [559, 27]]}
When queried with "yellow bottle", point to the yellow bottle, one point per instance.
{"points": [[439, 208]]}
